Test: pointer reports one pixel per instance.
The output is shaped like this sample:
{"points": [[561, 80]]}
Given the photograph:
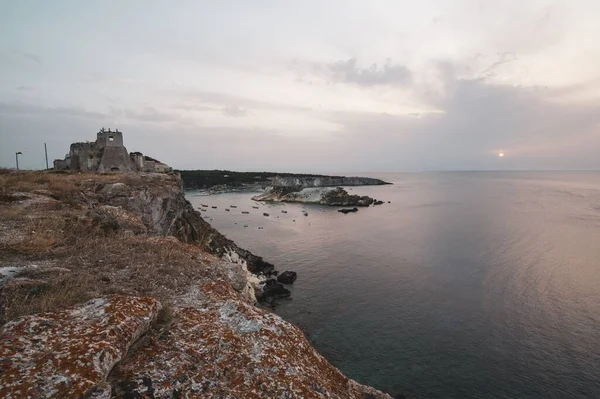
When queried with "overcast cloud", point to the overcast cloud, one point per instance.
{"points": [[306, 86]]}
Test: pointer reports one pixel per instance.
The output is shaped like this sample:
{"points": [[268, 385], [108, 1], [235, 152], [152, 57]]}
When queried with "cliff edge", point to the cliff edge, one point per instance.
{"points": [[112, 285]]}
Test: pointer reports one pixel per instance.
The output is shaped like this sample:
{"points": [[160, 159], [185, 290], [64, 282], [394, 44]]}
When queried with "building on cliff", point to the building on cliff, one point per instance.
{"points": [[108, 154]]}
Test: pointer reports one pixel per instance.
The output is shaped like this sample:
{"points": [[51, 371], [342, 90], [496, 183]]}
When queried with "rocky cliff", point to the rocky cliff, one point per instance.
{"points": [[332, 196], [113, 286], [324, 181]]}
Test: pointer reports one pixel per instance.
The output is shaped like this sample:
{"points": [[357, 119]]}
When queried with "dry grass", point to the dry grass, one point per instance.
{"points": [[102, 253], [103, 265], [27, 296]]}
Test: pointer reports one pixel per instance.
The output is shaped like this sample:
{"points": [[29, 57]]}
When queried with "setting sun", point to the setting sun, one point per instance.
{"points": [[501, 154]]}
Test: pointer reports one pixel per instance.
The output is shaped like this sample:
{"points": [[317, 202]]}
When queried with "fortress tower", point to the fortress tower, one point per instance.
{"points": [[108, 154], [107, 138], [115, 157]]}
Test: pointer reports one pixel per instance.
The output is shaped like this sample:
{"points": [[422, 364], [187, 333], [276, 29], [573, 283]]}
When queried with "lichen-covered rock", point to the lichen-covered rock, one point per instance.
{"points": [[219, 346], [69, 354]]}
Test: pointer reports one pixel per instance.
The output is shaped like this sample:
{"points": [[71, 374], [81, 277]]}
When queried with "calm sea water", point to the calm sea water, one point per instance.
{"points": [[468, 285]]}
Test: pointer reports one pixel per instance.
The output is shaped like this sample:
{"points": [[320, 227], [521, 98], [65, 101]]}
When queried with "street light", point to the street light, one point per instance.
{"points": [[17, 158]]}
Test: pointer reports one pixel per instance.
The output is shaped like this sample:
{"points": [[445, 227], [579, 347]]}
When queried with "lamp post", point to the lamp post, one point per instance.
{"points": [[17, 158]]}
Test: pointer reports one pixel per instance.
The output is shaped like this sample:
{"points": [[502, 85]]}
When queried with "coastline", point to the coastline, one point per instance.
{"points": [[112, 220]]}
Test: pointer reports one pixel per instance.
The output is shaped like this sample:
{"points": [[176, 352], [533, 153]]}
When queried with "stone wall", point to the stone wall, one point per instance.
{"points": [[116, 159]]}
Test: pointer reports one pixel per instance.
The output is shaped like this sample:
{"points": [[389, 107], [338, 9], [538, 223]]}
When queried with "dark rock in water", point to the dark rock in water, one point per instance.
{"points": [[233, 206], [213, 207], [340, 197], [273, 290], [226, 210], [255, 207], [287, 277], [265, 214], [305, 213], [283, 211], [245, 212], [204, 206], [377, 202], [348, 210], [389, 202]]}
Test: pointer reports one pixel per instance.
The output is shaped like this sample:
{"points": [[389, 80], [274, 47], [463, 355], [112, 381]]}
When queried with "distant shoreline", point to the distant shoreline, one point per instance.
{"points": [[224, 181]]}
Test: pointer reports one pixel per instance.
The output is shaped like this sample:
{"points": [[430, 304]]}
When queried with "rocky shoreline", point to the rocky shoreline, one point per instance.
{"points": [[330, 196], [116, 287]]}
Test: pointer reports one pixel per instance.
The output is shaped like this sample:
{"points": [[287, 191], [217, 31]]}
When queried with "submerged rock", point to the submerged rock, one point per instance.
{"points": [[348, 210], [287, 277]]}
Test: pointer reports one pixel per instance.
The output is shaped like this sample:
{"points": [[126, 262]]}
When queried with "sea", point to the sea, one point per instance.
{"points": [[461, 285]]}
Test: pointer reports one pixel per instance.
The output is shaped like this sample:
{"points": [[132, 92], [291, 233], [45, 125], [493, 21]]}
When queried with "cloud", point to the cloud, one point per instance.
{"points": [[234, 111], [477, 118], [31, 109], [30, 56], [348, 71], [146, 114], [204, 99]]}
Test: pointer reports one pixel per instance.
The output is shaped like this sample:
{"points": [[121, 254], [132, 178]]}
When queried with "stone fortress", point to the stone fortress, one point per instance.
{"points": [[108, 154]]}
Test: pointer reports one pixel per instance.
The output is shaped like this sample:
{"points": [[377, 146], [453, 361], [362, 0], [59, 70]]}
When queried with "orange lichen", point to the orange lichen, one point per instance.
{"points": [[225, 347], [70, 353]]}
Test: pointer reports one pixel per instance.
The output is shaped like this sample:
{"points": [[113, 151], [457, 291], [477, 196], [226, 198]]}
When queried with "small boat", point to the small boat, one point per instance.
{"points": [[213, 207], [232, 206], [204, 206], [226, 210], [255, 207], [265, 214], [245, 212], [245, 225]]}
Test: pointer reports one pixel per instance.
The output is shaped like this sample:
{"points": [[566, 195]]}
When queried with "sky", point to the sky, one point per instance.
{"points": [[306, 86]]}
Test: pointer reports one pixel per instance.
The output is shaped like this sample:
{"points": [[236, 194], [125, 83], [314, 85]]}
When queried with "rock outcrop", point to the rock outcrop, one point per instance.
{"points": [[161, 205], [287, 277], [332, 196], [220, 347], [69, 354], [211, 344]]}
